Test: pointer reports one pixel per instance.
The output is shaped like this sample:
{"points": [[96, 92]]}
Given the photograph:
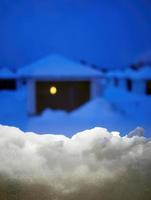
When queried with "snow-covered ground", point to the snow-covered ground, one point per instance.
{"points": [[92, 164], [97, 113]]}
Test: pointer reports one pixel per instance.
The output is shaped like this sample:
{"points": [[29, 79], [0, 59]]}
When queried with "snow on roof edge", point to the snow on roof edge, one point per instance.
{"points": [[56, 65]]}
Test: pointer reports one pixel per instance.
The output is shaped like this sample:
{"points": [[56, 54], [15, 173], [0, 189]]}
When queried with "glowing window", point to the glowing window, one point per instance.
{"points": [[53, 90]]}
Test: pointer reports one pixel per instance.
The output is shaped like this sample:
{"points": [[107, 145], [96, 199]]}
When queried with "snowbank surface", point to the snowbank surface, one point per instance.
{"points": [[94, 164], [117, 110]]}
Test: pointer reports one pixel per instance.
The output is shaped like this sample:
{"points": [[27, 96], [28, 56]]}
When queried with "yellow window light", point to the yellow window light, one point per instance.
{"points": [[53, 90]]}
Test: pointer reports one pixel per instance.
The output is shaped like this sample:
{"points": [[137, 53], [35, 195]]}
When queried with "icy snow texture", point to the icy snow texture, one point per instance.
{"points": [[92, 165]]}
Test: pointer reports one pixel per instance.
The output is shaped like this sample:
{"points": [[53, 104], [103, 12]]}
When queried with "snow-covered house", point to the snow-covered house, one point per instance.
{"points": [[135, 81], [140, 80], [116, 78], [8, 79], [58, 83]]}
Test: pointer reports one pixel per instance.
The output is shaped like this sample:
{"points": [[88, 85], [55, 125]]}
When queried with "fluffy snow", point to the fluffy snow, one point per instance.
{"points": [[93, 164], [57, 66]]}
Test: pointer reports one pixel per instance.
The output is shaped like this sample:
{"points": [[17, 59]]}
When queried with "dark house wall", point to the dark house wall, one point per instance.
{"points": [[7, 84], [70, 95]]}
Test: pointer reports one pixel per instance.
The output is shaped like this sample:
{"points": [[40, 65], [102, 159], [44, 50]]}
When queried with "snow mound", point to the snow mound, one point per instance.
{"points": [[97, 112], [93, 164], [139, 131]]}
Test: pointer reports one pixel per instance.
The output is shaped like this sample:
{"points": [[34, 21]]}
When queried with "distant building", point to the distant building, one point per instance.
{"points": [[58, 83], [141, 80], [8, 79], [138, 82]]}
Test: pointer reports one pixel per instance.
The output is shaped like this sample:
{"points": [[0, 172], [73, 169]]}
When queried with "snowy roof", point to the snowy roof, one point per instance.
{"points": [[116, 73], [56, 66], [5, 73], [143, 73]]}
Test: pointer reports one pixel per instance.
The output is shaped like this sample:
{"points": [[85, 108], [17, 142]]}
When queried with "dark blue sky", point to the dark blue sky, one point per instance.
{"points": [[105, 32]]}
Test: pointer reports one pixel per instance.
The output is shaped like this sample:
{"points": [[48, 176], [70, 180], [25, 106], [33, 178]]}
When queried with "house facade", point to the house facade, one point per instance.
{"points": [[135, 81], [56, 82]]}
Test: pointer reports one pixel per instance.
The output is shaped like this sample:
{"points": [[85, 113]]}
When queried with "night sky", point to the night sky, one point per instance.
{"points": [[104, 32]]}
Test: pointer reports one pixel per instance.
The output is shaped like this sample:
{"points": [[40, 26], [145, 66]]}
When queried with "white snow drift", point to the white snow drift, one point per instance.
{"points": [[93, 164]]}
